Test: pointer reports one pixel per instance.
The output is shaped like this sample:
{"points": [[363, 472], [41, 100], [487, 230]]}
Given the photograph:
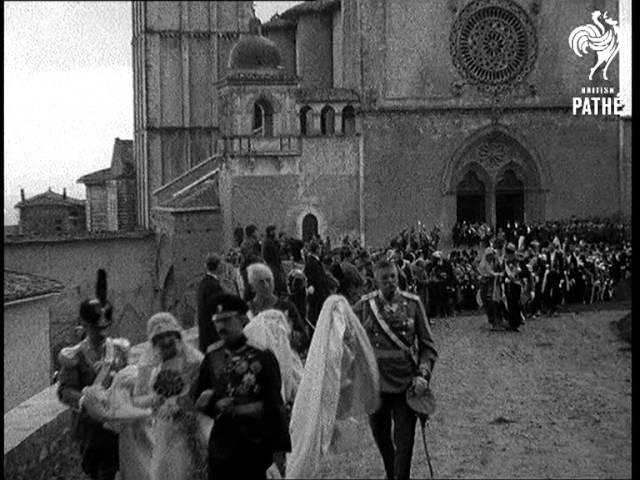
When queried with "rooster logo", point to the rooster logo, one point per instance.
{"points": [[602, 39]]}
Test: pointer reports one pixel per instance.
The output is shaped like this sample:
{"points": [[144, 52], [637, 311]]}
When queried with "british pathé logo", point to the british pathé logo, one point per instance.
{"points": [[599, 37]]}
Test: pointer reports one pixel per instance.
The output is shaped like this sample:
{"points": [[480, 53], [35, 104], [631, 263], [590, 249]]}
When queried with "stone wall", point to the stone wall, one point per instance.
{"points": [[97, 198], [576, 157], [129, 261], [52, 219], [325, 185], [27, 363], [285, 39], [127, 204], [314, 50], [407, 57]]}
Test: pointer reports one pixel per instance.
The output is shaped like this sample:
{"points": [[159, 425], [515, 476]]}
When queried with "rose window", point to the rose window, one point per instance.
{"points": [[493, 44]]}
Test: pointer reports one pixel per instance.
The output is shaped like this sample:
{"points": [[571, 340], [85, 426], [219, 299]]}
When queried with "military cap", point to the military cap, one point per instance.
{"points": [[226, 305]]}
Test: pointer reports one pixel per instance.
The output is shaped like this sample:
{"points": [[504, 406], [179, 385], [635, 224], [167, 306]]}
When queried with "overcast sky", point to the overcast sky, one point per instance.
{"points": [[68, 92]]}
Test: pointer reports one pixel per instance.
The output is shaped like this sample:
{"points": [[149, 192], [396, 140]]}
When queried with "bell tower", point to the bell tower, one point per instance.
{"points": [[180, 50]]}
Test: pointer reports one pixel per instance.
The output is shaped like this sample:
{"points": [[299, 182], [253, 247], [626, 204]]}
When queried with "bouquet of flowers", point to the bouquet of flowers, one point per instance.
{"points": [[168, 383]]}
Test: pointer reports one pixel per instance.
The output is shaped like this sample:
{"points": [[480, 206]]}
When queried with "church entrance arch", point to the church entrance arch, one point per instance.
{"points": [[509, 199], [470, 199], [309, 227], [503, 165]]}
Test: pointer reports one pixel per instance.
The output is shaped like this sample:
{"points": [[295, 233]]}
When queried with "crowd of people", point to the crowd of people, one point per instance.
{"points": [[297, 339]]}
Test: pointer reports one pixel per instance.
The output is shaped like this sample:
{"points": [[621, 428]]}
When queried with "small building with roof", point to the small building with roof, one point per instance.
{"points": [[27, 360], [111, 192], [50, 213]]}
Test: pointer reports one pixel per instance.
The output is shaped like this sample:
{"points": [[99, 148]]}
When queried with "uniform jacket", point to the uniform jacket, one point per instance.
{"points": [[249, 375], [78, 370], [406, 317]]}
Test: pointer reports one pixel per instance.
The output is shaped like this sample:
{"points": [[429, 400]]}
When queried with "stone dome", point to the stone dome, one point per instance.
{"points": [[254, 52]]}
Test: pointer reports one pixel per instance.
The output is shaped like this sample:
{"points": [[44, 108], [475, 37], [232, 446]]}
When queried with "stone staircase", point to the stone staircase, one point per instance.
{"points": [[192, 178]]}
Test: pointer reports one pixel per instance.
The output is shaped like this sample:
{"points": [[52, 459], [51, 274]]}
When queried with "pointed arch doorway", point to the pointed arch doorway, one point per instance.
{"points": [[470, 195], [509, 199]]}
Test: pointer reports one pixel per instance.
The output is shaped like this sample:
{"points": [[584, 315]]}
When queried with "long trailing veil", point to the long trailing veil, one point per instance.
{"points": [[270, 329], [339, 386]]}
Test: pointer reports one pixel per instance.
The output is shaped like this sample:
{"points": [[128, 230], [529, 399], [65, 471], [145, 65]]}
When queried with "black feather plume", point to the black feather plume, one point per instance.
{"points": [[101, 286]]}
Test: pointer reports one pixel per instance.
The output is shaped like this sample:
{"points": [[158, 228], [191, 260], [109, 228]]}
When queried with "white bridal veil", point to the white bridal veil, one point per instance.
{"points": [[339, 386], [270, 330]]}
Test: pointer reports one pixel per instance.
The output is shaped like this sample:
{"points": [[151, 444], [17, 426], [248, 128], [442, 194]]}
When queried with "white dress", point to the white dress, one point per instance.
{"points": [[339, 388], [178, 451]]}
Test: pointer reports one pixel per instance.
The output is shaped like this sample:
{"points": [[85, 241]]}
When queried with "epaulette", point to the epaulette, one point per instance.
{"points": [[68, 356], [122, 344], [215, 346], [410, 296]]}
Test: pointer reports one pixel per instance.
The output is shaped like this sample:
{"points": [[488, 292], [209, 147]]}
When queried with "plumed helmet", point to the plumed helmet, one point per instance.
{"points": [[98, 312]]}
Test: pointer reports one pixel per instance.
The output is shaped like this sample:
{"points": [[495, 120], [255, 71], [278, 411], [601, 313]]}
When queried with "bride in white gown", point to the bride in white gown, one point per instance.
{"points": [[166, 372], [339, 387]]}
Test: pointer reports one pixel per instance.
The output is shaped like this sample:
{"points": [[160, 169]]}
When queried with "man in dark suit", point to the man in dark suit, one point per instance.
{"points": [[208, 288], [318, 284]]}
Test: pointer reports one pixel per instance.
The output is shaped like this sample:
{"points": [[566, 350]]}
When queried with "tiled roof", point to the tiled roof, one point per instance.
{"points": [[278, 22], [50, 198], [121, 165], [18, 286], [311, 6], [96, 177]]}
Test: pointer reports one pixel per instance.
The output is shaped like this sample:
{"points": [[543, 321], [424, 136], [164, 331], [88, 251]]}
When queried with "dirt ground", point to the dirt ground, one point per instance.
{"points": [[553, 401]]}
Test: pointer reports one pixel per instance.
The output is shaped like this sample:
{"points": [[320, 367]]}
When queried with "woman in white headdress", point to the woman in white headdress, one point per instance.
{"points": [[167, 369], [339, 387]]}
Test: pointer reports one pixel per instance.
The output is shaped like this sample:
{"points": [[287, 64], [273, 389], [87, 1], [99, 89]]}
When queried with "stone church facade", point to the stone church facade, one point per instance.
{"points": [[363, 117]]}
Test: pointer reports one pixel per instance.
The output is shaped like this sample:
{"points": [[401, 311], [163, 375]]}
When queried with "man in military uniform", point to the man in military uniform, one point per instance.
{"points": [[239, 387], [390, 316], [92, 363]]}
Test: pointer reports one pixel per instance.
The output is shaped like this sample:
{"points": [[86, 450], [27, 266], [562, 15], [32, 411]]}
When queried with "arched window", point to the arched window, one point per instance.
{"points": [[262, 119], [348, 120], [305, 120], [309, 227], [327, 121]]}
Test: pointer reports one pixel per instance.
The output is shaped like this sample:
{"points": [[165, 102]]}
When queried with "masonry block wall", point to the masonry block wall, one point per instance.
{"points": [[314, 51], [52, 219], [127, 204], [26, 350], [179, 50], [97, 198], [130, 266]]}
